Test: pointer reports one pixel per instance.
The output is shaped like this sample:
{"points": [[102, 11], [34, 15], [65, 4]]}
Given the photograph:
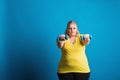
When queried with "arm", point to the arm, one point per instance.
{"points": [[60, 44]]}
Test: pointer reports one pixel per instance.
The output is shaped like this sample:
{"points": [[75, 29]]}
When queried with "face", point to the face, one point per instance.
{"points": [[72, 29]]}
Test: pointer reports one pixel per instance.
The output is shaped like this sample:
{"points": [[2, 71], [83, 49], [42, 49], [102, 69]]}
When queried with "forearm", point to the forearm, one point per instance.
{"points": [[60, 44]]}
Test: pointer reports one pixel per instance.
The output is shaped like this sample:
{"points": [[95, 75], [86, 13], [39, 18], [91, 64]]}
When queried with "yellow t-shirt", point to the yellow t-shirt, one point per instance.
{"points": [[73, 58]]}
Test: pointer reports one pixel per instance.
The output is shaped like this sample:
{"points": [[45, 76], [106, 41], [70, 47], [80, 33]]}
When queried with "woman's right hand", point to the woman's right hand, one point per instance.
{"points": [[61, 41]]}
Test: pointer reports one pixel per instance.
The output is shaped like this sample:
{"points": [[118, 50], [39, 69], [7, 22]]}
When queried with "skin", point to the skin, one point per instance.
{"points": [[87, 40], [72, 32]]}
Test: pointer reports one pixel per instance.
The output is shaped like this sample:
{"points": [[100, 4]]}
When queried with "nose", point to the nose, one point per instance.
{"points": [[72, 29]]}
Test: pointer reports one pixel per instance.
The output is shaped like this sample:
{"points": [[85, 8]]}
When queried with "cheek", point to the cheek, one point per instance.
{"points": [[69, 31], [75, 31]]}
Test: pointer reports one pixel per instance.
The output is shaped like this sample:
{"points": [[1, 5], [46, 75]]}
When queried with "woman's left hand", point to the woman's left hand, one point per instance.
{"points": [[86, 39]]}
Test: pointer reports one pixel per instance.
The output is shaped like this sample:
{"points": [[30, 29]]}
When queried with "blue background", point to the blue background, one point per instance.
{"points": [[28, 31]]}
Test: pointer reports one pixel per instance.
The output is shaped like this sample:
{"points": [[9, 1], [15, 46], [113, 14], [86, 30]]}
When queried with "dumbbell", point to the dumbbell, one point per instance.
{"points": [[82, 37], [65, 38]]}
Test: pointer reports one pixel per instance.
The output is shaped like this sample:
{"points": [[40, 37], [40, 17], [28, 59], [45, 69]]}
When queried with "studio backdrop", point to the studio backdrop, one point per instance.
{"points": [[29, 28]]}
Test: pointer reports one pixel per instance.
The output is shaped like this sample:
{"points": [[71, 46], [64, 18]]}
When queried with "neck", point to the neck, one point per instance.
{"points": [[72, 39]]}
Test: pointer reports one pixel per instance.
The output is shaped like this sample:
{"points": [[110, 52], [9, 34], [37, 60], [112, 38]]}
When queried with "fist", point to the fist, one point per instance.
{"points": [[85, 39], [62, 37], [87, 36]]}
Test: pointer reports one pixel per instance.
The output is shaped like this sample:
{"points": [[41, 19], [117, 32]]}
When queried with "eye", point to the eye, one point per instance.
{"points": [[74, 28], [69, 28]]}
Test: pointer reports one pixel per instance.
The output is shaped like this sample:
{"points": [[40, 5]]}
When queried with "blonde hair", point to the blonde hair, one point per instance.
{"points": [[68, 24]]}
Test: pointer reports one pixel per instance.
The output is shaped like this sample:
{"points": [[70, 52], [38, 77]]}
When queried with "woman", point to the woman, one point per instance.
{"points": [[73, 64]]}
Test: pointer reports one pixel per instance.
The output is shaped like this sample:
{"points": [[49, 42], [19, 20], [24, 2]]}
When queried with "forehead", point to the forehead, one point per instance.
{"points": [[72, 25]]}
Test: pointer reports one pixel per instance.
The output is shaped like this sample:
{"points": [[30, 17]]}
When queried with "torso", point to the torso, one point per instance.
{"points": [[73, 57]]}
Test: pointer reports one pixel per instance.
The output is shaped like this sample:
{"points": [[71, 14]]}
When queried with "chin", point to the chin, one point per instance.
{"points": [[73, 35]]}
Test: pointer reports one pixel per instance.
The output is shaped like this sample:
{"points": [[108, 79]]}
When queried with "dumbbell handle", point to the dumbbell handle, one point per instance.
{"points": [[66, 37], [82, 37]]}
